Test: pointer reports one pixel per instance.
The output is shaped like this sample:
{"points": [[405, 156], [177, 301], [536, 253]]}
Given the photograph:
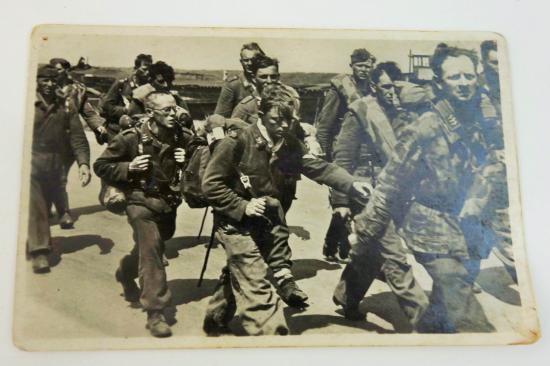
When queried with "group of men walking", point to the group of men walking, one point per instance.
{"points": [[422, 163]]}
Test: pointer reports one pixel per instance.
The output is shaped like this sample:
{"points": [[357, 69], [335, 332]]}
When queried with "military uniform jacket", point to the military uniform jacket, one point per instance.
{"points": [[247, 109], [439, 166], [366, 141], [233, 91], [154, 188], [265, 166], [115, 103], [343, 91], [54, 125]]}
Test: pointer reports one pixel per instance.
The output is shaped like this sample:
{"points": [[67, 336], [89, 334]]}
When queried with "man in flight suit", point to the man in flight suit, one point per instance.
{"points": [[344, 90], [369, 134]]}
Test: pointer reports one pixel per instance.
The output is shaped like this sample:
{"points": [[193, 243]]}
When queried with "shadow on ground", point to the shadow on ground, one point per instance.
{"points": [[298, 324], [385, 306], [496, 281], [86, 210], [300, 232], [307, 268], [185, 291], [70, 244], [174, 245], [77, 212]]}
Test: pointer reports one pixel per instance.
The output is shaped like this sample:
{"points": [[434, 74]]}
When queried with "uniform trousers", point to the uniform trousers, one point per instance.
{"points": [[244, 287], [46, 186], [453, 306], [150, 230], [386, 255]]}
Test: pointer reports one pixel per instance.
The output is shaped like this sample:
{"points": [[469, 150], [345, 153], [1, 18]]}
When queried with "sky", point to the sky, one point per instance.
{"points": [[215, 53]]}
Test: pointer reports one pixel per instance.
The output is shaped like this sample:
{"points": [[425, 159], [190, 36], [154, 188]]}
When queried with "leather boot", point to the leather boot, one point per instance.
{"points": [[157, 325]]}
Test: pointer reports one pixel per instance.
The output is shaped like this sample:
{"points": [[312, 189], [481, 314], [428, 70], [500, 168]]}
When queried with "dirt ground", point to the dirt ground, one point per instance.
{"points": [[80, 298]]}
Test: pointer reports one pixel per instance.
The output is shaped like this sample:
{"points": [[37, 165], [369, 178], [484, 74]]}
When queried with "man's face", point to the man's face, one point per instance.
{"points": [[275, 123], [266, 76], [459, 78], [385, 89], [159, 83], [361, 70], [144, 65], [163, 110], [491, 63], [60, 69], [46, 86], [246, 60]]}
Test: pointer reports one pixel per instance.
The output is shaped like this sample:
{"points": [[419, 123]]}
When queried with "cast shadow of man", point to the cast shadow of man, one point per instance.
{"points": [[174, 245], [298, 324], [300, 232], [77, 212], [497, 282], [308, 268], [185, 291], [70, 244]]}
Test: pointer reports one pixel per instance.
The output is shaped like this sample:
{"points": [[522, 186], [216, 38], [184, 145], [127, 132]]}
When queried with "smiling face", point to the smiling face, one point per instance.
{"points": [[46, 86], [162, 109], [459, 78], [276, 123], [144, 65], [266, 76]]}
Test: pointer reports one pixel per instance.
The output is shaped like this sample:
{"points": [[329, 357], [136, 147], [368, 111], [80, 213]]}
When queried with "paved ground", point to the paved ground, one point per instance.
{"points": [[80, 297]]}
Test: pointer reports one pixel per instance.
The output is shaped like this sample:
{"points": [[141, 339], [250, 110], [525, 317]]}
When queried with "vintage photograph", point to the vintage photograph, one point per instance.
{"points": [[215, 187]]}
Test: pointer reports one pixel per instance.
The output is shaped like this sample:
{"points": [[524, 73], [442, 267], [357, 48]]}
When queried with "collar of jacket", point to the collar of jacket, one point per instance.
{"points": [[249, 85], [149, 137], [43, 104]]}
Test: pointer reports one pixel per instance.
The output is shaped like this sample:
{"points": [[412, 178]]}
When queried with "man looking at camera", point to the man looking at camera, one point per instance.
{"points": [[344, 90], [237, 88]]}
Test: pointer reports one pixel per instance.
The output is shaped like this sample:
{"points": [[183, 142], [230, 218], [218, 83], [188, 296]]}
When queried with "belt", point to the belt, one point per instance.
{"points": [[435, 207]]}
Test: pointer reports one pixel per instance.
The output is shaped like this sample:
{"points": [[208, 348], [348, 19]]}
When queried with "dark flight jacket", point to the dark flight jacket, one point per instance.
{"points": [[54, 126], [343, 91], [153, 188], [252, 156]]}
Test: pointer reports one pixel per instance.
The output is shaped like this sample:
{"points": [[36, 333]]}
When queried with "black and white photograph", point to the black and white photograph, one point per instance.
{"points": [[239, 187]]}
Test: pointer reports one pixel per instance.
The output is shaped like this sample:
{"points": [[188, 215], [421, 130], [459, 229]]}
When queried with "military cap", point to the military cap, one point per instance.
{"points": [[47, 71], [57, 60], [361, 55]]}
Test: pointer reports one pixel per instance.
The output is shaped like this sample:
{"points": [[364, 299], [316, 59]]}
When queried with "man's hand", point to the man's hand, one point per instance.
{"points": [[364, 188], [179, 155], [84, 175], [140, 163], [344, 212], [256, 207], [101, 130]]}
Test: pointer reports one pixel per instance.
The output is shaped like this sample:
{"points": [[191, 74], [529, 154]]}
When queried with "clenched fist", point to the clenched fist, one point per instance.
{"points": [[179, 155], [256, 207], [140, 163]]}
